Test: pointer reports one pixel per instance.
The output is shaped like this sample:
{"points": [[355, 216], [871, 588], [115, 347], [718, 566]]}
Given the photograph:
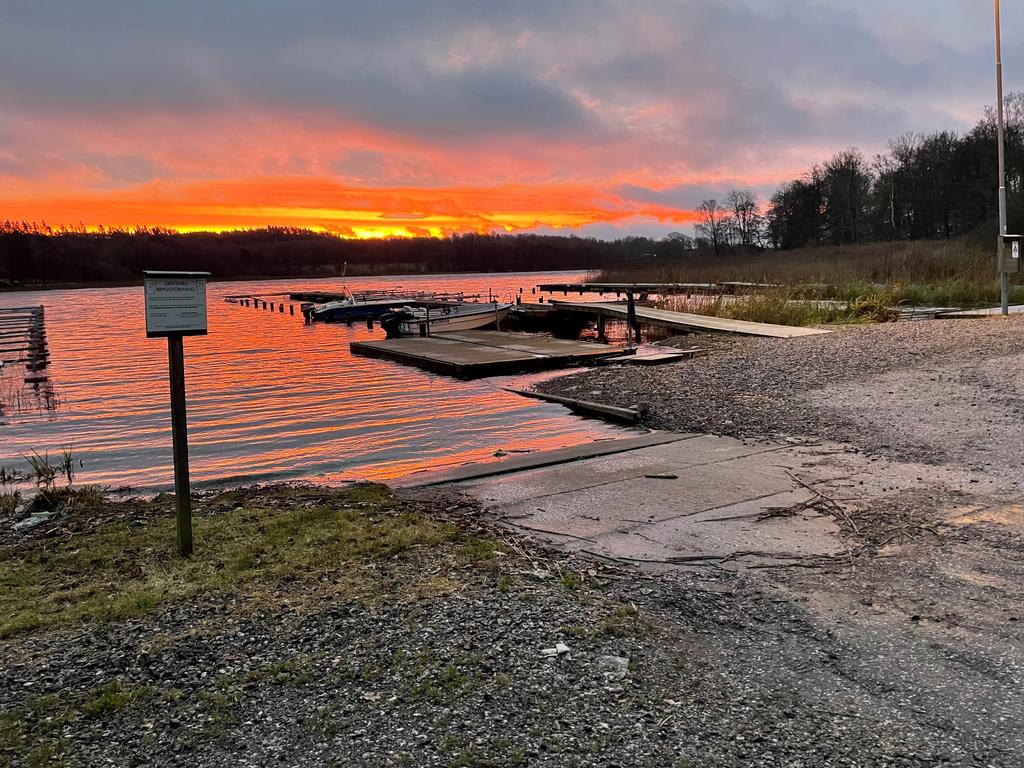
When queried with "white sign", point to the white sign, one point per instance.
{"points": [[1015, 249], [175, 303]]}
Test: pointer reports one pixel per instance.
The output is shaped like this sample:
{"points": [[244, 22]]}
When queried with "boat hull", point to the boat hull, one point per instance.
{"points": [[350, 313], [453, 323]]}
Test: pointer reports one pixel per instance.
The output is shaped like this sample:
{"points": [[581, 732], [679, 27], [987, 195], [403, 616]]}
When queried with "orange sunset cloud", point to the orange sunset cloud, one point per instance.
{"points": [[348, 211]]}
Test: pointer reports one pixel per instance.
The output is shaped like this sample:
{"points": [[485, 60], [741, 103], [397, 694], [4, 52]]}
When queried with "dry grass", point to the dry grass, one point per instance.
{"points": [[129, 567], [786, 306], [947, 272]]}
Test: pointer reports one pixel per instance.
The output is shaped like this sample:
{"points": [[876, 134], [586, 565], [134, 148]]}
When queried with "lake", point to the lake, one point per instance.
{"points": [[269, 397]]}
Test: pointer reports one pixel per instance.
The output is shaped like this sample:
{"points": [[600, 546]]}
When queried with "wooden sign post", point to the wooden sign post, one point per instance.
{"points": [[175, 308]]}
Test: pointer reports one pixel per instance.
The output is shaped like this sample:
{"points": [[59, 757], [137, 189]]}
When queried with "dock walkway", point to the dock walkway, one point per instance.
{"points": [[661, 289], [475, 354], [686, 322], [1013, 309]]}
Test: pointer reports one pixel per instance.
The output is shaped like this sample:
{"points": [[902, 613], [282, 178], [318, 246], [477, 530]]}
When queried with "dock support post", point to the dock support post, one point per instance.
{"points": [[369, 323], [291, 309], [601, 336]]}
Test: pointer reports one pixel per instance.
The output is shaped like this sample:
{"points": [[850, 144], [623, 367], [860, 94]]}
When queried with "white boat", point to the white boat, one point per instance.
{"points": [[421, 321]]}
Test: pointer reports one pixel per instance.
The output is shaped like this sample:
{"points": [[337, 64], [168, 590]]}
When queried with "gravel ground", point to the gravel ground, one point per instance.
{"points": [[913, 656], [707, 671], [932, 391]]}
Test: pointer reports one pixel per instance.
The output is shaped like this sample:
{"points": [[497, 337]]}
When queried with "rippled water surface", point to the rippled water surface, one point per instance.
{"points": [[268, 396]]}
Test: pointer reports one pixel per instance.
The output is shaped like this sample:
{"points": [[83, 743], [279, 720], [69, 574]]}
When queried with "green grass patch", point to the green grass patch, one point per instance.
{"points": [[112, 698], [32, 729], [624, 621], [129, 568]]}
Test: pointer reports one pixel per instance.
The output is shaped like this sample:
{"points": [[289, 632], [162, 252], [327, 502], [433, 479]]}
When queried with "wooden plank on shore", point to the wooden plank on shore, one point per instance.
{"points": [[687, 322], [658, 358], [587, 407]]}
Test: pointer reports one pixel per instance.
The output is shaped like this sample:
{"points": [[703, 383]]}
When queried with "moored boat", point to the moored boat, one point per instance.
{"points": [[350, 308], [420, 321]]}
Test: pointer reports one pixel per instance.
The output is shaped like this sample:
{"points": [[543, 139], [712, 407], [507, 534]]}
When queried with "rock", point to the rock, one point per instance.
{"points": [[32, 521], [613, 668], [560, 649]]}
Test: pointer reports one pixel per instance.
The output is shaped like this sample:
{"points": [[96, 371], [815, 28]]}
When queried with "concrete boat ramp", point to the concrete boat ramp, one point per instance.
{"points": [[662, 500]]}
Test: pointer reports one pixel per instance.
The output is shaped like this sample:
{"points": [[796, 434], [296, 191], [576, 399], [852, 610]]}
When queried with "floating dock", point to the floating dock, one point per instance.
{"points": [[475, 354], [685, 322]]}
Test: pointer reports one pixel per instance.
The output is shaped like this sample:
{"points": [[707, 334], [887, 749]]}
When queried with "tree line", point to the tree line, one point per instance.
{"points": [[935, 185], [32, 254]]}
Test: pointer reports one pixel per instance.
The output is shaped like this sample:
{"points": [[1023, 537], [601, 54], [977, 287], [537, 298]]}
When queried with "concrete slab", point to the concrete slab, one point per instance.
{"points": [[704, 499], [617, 466], [732, 533]]}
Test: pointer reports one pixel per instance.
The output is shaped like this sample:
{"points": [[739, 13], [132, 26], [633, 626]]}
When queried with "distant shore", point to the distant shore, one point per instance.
{"points": [[69, 286]]}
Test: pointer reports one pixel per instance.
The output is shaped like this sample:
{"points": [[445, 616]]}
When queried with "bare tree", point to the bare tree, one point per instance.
{"points": [[713, 224], [1013, 110], [746, 219]]}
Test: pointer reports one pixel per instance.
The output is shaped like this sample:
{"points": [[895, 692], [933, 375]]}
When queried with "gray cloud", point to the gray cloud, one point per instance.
{"points": [[659, 87]]}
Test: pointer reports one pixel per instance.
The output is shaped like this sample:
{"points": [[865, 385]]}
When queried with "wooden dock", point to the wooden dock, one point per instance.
{"points": [[968, 314], [475, 354], [23, 340], [687, 323], [659, 289]]}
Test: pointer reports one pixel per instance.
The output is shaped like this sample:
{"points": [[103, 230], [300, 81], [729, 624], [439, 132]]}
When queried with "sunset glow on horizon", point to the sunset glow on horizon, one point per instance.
{"points": [[351, 212], [589, 118]]}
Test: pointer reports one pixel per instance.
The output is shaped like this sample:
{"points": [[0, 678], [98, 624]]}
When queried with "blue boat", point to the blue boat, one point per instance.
{"points": [[349, 308]]}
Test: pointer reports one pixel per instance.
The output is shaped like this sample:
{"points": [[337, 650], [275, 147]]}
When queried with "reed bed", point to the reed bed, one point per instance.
{"points": [[936, 273], [785, 306]]}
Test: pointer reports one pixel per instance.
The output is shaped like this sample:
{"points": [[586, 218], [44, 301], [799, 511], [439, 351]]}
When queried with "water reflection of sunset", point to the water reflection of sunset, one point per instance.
{"points": [[269, 397]]}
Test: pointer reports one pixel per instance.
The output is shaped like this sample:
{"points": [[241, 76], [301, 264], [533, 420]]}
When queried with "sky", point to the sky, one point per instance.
{"points": [[408, 117]]}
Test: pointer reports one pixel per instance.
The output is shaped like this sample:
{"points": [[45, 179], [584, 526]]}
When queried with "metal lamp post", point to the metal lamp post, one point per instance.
{"points": [[1000, 130]]}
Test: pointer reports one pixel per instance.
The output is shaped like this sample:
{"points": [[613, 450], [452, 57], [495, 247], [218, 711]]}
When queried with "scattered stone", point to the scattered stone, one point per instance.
{"points": [[614, 668], [32, 521], [560, 649]]}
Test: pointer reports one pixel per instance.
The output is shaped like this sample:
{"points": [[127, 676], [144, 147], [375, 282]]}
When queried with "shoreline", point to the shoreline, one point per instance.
{"points": [[270, 278]]}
